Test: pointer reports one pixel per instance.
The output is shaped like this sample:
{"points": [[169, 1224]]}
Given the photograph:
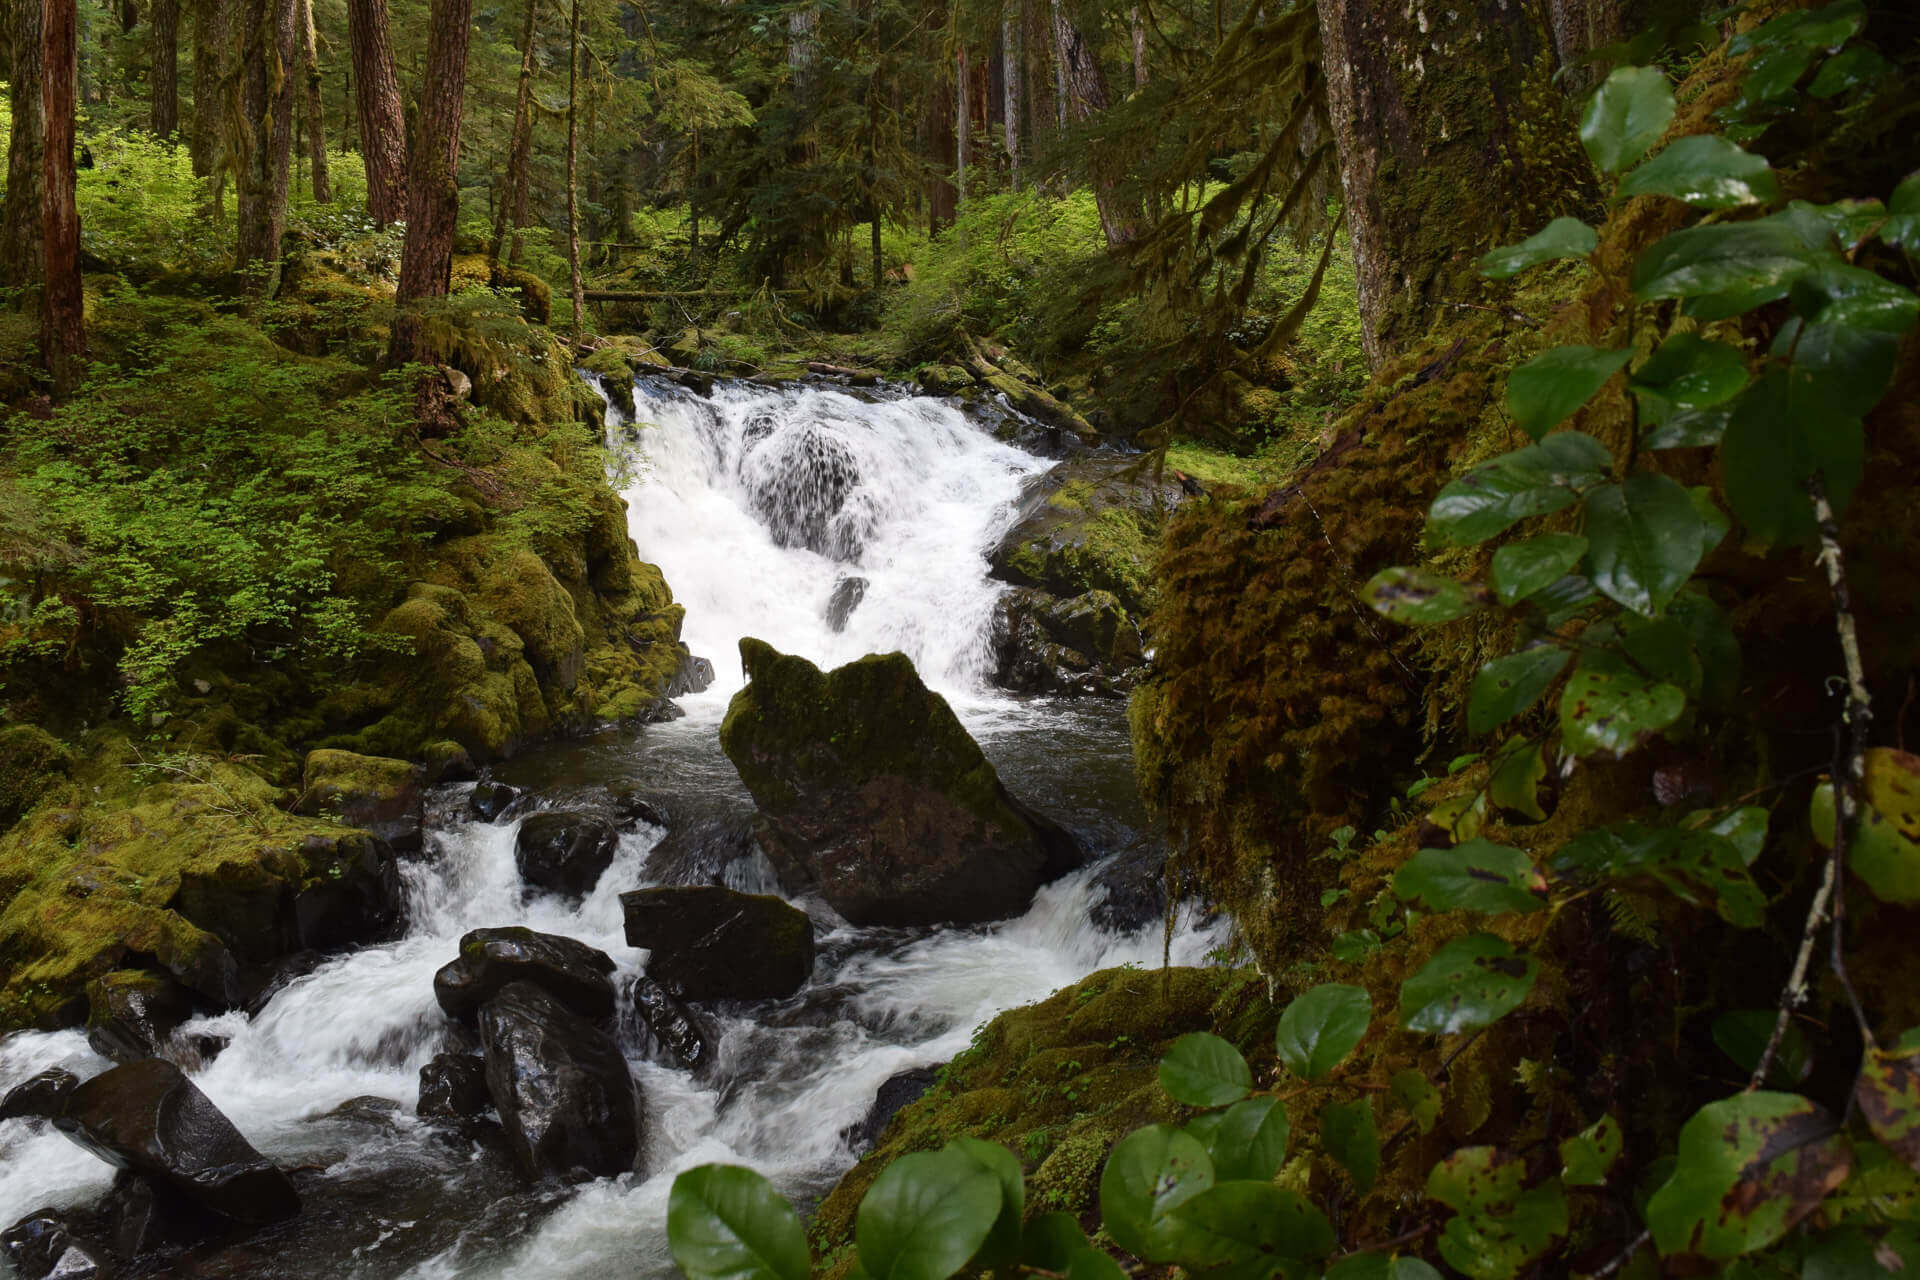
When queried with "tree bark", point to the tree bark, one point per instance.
{"points": [[165, 76], [316, 108], [383, 122], [1085, 92], [22, 239], [261, 139], [212, 37], [63, 339], [433, 188], [512, 212], [573, 166], [1427, 107]]}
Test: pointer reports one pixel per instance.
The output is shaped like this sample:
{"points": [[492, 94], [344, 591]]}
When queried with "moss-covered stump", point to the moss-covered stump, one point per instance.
{"points": [[1059, 1082], [1093, 524], [871, 791], [185, 866]]}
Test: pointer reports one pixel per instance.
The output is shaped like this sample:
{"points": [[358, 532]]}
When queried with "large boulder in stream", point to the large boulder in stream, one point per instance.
{"points": [[565, 853], [872, 794], [561, 1086], [148, 1117], [713, 943], [491, 959]]}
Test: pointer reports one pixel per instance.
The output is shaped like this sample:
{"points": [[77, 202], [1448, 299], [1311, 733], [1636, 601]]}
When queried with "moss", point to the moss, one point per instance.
{"points": [[32, 763]]}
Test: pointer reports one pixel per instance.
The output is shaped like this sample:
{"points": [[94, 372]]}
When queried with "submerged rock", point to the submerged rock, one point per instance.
{"points": [[491, 959], [132, 1014], [491, 801], [379, 795], [564, 853], [712, 943], [148, 1117], [561, 1086], [453, 1087], [872, 793], [660, 1022]]}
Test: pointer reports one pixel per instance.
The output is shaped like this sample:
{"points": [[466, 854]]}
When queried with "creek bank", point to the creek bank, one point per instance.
{"points": [[872, 794]]}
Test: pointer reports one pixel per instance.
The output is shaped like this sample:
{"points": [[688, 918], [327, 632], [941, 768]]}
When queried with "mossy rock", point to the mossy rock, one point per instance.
{"points": [[870, 789], [1059, 1082], [1092, 524], [32, 763]]}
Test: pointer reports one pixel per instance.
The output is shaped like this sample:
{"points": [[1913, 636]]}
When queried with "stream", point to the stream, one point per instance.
{"points": [[759, 505]]}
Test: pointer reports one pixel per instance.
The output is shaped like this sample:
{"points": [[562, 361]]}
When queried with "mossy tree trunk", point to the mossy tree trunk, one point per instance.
{"points": [[22, 253], [1450, 137], [433, 192]]}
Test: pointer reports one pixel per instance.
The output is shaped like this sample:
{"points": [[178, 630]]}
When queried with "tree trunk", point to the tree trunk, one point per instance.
{"points": [[1014, 56], [1426, 107], [63, 339], [22, 238], [261, 139], [165, 77], [212, 37], [383, 122], [433, 188], [1121, 217], [573, 165], [512, 212], [316, 109]]}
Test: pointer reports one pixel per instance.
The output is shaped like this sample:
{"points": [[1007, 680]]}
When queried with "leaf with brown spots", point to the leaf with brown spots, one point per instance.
{"points": [[1750, 1167], [1889, 1096]]}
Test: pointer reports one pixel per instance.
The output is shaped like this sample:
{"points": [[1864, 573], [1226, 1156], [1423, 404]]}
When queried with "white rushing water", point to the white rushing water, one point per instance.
{"points": [[932, 493]]}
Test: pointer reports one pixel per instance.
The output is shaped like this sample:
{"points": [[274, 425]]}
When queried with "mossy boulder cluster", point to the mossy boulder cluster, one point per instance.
{"points": [[872, 794]]}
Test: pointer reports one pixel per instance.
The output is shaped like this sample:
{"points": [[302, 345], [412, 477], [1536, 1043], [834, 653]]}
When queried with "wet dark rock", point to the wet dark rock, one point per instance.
{"points": [[382, 796], [1043, 644], [661, 1026], [694, 675], [1132, 888], [40, 1097], [872, 793], [709, 942], [798, 479], [453, 1087], [888, 1101], [700, 851], [491, 959], [492, 801], [846, 597], [133, 1014], [561, 1087], [564, 853], [148, 1117]]}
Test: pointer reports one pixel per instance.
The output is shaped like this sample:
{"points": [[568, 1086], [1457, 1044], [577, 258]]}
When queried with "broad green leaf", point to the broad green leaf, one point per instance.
{"points": [[1849, 70], [1885, 853], [1381, 1266], [1246, 1221], [1321, 1027], [1251, 1140], [1609, 706], [1776, 441], [1202, 1070], [728, 1223], [1742, 1035], [1698, 866], [1689, 372], [1505, 687], [1627, 114], [1692, 429], [1706, 171], [1151, 1172], [1561, 238], [1349, 1135], [1533, 481], [926, 1215], [1522, 568], [1050, 1241], [1756, 262], [1500, 1224], [1514, 783], [1003, 1242], [1545, 391], [1416, 597], [1470, 983], [1412, 1090], [1888, 1094], [1475, 876], [1644, 540], [1749, 1168], [1587, 1155]]}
